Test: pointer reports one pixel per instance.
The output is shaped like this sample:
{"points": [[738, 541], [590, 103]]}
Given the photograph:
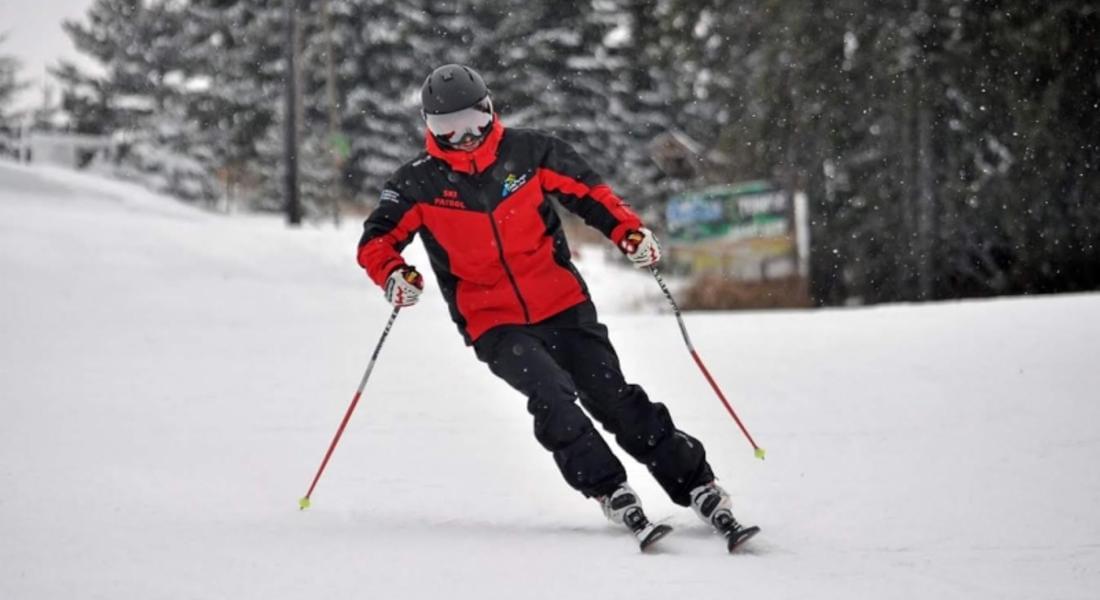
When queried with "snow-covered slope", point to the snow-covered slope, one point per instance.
{"points": [[169, 380]]}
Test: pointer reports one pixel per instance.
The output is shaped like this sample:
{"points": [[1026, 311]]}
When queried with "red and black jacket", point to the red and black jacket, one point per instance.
{"points": [[494, 240]]}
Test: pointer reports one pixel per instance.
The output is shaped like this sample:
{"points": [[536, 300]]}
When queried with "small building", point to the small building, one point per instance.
{"points": [[72, 150], [677, 155]]}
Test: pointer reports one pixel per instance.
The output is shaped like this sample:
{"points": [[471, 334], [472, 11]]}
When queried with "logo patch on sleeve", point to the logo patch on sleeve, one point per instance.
{"points": [[389, 195]]}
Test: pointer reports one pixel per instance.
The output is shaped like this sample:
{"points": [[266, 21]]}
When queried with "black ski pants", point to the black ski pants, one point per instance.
{"points": [[568, 358]]}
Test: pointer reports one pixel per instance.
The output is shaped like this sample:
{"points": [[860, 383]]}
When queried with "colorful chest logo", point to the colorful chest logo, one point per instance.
{"points": [[512, 183]]}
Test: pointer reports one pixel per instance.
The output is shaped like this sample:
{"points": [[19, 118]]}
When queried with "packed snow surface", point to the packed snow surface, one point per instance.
{"points": [[170, 379]]}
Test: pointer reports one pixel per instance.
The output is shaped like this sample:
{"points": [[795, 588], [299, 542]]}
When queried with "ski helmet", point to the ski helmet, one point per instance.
{"points": [[455, 104], [451, 88]]}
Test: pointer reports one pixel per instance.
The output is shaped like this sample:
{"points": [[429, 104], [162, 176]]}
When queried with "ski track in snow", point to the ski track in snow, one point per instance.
{"points": [[170, 379]]}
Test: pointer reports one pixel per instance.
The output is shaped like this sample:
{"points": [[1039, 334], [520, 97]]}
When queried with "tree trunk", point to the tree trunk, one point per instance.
{"points": [[926, 193]]}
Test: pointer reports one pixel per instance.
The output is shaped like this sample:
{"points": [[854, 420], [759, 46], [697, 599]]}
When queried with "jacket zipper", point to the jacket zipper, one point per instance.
{"points": [[507, 271], [500, 249]]}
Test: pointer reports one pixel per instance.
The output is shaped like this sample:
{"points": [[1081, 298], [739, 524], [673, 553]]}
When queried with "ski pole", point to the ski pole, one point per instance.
{"points": [[303, 503], [757, 450]]}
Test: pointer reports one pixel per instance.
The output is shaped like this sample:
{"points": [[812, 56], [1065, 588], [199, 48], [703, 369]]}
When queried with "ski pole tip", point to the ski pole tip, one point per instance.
{"points": [[303, 503], [759, 452]]}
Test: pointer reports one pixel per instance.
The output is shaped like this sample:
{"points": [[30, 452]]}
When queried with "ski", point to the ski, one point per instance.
{"points": [[650, 533], [735, 533], [737, 536]]}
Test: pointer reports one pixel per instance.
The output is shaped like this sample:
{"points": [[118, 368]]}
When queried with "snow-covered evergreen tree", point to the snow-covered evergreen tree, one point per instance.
{"points": [[948, 147], [644, 92], [379, 73], [10, 85], [85, 100], [144, 59], [552, 72], [235, 102]]}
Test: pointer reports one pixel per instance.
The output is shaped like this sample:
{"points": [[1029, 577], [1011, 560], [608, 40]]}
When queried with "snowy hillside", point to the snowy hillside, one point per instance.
{"points": [[169, 380]]}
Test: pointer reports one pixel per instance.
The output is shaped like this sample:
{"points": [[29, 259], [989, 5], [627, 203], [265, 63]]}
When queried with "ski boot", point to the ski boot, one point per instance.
{"points": [[622, 507], [713, 506]]}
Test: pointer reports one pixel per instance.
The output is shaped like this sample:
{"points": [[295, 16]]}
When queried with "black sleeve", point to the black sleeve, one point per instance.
{"points": [[582, 192], [386, 232]]}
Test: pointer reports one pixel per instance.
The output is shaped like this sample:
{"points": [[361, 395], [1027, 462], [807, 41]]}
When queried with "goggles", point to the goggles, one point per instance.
{"points": [[463, 125]]}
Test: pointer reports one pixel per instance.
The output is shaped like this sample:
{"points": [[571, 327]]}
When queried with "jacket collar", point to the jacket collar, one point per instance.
{"points": [[472, 162]]}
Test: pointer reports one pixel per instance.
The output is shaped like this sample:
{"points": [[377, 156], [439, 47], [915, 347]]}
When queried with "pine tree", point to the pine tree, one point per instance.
{"points": [[237, 58], [133, 43], [381, 65], [642, 93], [10, 85], [947, 146], [1024, 93], [552, 73], [145, 62], [85, 99]]}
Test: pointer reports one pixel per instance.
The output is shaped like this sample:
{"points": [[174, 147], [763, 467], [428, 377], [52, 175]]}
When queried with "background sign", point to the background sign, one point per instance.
{"points": [[743, 231]]}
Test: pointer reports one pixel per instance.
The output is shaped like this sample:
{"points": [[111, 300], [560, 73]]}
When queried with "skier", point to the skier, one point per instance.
{"points": [[478, 198]]}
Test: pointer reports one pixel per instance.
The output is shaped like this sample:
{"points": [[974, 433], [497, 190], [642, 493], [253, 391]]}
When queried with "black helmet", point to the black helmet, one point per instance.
{"points": [[456, 107], [451, 88]]}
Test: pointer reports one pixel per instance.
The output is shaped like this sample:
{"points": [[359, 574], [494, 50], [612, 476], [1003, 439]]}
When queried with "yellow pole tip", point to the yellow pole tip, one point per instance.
{"points": [[303, 503], [759, 453]]}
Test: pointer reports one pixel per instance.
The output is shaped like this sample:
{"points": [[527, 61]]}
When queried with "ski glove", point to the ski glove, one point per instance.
{"points": [[403, 286], [641, 247]]}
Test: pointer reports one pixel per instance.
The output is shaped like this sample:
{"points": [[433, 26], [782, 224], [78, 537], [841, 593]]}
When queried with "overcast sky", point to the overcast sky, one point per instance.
{"points": [[35, 37]]}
